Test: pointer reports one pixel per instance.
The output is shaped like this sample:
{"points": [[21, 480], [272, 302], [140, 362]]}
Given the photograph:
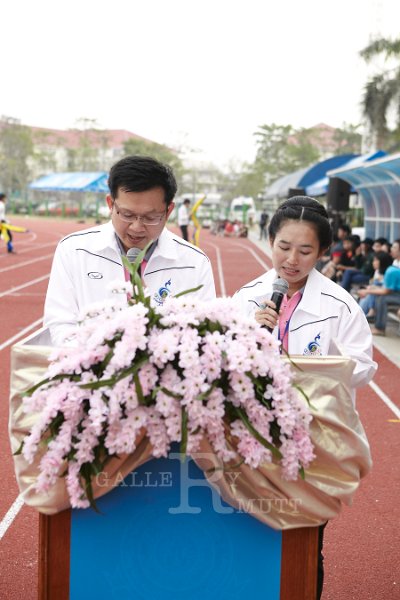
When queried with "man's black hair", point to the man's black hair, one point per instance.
{"points": [[141, 173]]}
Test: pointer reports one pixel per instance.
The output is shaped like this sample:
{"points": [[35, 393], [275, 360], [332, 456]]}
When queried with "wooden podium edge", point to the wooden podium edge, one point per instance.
{"points": [[299, 564], [54, 556]]}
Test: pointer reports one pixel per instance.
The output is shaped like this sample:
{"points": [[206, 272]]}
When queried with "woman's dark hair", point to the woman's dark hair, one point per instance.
{"points": [[142, 173], [303, 208], [385, 260]]}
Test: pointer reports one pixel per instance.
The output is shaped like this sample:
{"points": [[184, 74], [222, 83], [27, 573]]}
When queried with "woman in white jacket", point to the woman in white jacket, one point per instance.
{"points": [[317, 316]]}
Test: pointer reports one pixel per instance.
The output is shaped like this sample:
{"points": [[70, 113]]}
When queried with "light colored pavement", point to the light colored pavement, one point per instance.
{"points": [[389, 345]]}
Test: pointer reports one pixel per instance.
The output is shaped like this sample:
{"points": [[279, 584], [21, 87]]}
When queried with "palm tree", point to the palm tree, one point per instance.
{"points": [[382, 92]]}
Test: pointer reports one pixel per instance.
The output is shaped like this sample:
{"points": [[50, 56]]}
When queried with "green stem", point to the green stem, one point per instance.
{"points": [[184, 432], [246, 422]]}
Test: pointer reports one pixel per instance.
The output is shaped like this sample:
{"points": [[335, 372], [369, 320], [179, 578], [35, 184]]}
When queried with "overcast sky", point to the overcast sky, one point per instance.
{"points": [[202, 73]]}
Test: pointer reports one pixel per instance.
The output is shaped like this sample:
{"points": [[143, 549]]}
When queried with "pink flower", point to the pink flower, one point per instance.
{"points": [[133, 368]]}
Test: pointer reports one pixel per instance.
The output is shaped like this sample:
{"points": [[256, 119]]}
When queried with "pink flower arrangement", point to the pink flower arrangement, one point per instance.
{"points": [[180, 371]]}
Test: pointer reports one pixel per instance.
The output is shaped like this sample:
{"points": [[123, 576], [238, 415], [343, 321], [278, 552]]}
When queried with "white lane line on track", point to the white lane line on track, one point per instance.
{"points": [[258, 259], [29, 295], [395, 409], [27, 240], [10, 516], [21, 333], [24, 285], [220, 269], [30, 249], [27, 262]]}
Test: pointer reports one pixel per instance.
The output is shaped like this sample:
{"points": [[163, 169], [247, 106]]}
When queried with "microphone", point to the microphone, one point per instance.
{"points": [[132, 255], [280, 288]]}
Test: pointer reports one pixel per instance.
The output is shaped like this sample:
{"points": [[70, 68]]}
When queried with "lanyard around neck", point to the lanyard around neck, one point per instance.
{"points": [[286, 329]]}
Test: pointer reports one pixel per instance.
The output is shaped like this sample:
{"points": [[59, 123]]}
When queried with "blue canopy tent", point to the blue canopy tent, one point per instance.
{"points": [[80, 182], [320, 187], [303, 178], [72, 182], [378, 184]]}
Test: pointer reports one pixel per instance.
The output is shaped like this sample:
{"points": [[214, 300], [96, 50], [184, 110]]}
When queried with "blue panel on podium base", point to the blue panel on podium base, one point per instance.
{"points": [[165, 534]]}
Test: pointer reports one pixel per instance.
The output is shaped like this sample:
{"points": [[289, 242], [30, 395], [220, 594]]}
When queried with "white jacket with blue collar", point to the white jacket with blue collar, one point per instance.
{"points": [[326, 316], [86, 262]]}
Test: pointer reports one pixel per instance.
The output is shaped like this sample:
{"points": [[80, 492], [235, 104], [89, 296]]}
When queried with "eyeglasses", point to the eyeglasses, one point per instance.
{"points": [[128, 217]]}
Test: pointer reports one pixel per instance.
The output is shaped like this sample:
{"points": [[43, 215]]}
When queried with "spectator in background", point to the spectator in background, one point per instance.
{"points": [[340, 261], [6, 228], [229, 229], [380, 262], [184, 218], [378, 243], [388, 293], [347, 259], [243, 231], [264, 218], [363, 270], [327, 263], [3, 202], [343, 231]]}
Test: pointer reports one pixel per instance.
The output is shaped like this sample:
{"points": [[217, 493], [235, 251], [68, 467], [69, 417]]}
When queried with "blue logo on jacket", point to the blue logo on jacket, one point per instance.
{"points": [[163, 293], [313, 348]]}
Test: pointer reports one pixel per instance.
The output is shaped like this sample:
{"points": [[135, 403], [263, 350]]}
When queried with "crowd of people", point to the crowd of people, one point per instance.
{"points": [[369, 270], [228, 228]]}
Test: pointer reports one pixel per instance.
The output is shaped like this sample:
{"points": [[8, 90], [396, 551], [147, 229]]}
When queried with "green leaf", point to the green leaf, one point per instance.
{"points": [[138, 388], [70, 376], [196, 289], [168, 392], [19, 451], [205, 395], [184, 432], [86, 473], [133, 269], [302, 392], [95, 385], [294, 365], [246, 422]]}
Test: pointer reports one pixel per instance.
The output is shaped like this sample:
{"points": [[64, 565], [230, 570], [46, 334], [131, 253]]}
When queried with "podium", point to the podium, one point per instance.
{"points": [[165, 533]]}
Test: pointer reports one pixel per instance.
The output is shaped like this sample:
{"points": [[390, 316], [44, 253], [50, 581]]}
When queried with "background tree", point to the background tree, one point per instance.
{"points": [[381, 97], [282, 150], [89, 154], [16, 150], [160, 152], [348, 139], [44, 157], [246, 179]]}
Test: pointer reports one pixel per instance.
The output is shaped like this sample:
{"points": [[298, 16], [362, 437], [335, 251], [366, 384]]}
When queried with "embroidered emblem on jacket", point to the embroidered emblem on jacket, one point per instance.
{"points": [[313, 348], [95, 275], [163, 293]]}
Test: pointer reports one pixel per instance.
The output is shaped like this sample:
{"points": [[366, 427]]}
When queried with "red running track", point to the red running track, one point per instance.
{"points": [[362, 555]]}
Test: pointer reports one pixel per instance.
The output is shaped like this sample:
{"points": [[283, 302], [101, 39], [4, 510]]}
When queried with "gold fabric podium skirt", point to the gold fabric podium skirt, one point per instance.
{"points": [[341, 448]]}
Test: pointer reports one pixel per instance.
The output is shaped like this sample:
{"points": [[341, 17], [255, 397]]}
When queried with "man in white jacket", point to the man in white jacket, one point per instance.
{"points": [[140, 202], [184, 218]]}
